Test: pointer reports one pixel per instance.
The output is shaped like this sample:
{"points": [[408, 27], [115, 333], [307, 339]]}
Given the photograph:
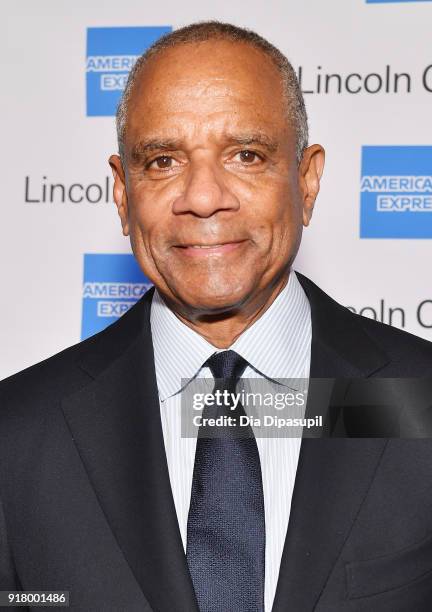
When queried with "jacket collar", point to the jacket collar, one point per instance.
{"points": [[336, 333], [340, 345]]}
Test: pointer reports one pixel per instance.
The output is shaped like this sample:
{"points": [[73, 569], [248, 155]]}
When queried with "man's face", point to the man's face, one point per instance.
{"points": [[211, 193]]}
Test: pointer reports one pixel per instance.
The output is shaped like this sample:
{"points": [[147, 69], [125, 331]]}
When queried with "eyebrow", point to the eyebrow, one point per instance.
{"points": [[144, 147], [257, 138]]}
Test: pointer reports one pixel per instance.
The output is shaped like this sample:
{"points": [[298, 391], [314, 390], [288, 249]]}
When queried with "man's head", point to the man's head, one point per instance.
{"points": [[214, 182]]}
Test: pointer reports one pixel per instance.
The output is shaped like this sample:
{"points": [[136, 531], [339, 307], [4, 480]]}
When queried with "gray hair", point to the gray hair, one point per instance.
{"points": [[216, 30]]}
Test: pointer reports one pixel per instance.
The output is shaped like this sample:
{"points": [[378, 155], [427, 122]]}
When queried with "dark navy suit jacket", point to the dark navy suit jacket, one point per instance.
{"points": [[86, 504]]}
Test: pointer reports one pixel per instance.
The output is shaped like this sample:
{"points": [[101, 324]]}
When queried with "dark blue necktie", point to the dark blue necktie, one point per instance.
{"points": [[226, 526]]}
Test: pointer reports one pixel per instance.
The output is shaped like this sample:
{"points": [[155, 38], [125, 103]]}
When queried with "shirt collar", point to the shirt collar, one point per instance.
{"points": [[277, 345], [179, 351]]}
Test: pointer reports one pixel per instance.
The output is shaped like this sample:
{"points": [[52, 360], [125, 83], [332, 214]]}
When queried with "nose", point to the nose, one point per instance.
{"points": [[205, 192]]}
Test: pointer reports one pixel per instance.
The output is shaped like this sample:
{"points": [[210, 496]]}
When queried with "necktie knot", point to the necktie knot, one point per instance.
{"points": [[228, 365]]}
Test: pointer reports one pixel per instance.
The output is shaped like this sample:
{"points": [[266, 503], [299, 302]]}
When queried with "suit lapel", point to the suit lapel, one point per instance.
{"points": [[333, 475], [115, 423]]}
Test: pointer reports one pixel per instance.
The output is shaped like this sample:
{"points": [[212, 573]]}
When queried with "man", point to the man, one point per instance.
{"points": [[101, 494]]}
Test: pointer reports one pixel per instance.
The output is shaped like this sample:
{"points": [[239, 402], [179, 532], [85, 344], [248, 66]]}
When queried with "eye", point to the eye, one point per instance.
{"points": [[163, 162], [248, 157]]}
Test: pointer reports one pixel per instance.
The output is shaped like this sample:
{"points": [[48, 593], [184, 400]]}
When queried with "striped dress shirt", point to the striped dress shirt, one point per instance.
{"points": [[277, 346]]}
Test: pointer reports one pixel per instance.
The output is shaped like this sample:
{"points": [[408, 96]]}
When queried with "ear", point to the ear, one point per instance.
{"points": [[310, 172], [119, 192]]}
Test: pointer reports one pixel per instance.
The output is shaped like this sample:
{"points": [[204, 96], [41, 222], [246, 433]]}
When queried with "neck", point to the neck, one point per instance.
{"points": [[223, 330]]}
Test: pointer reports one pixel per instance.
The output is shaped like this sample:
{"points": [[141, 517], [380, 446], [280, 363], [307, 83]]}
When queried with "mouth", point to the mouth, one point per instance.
{"points": [[199, 250]]}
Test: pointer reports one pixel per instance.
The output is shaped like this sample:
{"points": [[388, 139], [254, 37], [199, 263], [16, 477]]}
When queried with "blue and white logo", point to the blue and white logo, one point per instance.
{"points": [[111, 53], [396, 192], [112, 284]]}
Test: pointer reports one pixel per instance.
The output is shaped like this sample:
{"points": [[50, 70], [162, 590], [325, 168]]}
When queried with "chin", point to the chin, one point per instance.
{"points": [[212, 300]]}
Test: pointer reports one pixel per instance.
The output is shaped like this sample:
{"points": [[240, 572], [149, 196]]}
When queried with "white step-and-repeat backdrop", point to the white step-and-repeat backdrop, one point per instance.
{"points": [[366, 72]]}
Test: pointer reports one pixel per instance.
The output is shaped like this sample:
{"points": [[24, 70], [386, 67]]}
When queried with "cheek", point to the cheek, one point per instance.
{"points": [[148, 217], [275, 215]]}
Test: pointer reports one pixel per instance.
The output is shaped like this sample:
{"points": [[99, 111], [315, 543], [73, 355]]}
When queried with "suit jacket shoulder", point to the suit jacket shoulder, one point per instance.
{"points": [[363, 341], [69, 370]]}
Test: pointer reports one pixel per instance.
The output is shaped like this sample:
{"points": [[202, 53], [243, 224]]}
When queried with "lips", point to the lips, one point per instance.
{"points": [[207, 249], [204, 246]]}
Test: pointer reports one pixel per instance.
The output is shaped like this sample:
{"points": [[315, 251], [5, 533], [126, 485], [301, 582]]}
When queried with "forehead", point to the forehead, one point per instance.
{"points": [[207, 84]]}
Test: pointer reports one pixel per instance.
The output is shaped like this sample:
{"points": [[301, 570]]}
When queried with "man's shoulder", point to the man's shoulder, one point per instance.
{"points": [[56, 376], [407, 355], [72, 368], [403, 347]]}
